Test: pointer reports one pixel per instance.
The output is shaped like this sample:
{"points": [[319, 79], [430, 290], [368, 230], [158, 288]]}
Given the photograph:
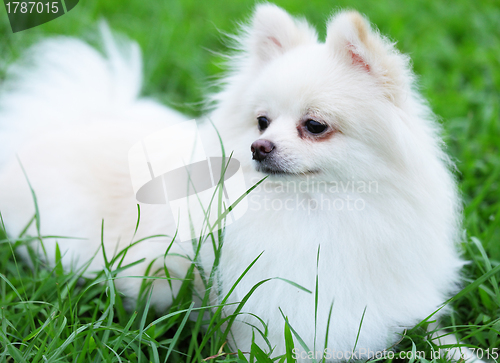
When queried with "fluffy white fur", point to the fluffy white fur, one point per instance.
{"points": [[72, 117]]}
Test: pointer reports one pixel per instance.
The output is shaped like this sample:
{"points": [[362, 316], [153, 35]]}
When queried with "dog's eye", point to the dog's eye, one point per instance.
{"points": [[315, 127], [263, 122]]}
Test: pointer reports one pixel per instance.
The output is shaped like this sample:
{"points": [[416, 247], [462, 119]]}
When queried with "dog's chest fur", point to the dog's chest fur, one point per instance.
{"points": [[366, 260]]}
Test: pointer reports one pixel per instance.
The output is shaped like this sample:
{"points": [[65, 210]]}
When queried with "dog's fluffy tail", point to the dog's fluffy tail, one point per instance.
{"points": [[63, 81]]}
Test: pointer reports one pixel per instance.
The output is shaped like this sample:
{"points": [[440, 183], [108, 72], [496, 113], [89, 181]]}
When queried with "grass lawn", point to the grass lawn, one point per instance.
{"points": [[48, 315]]}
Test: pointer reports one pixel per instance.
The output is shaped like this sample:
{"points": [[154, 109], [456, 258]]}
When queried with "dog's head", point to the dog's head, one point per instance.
{"points": [[339, 107]]}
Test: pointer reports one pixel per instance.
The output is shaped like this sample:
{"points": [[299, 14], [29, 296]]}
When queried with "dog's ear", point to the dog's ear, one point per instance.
{"points": [[350, 36], [273, 32]]}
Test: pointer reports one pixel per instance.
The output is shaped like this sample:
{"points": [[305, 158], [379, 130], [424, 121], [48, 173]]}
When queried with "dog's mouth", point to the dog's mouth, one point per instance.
{"points": [[277, 171]]}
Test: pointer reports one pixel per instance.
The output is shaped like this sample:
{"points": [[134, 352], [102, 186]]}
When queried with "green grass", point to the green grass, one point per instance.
{"points": [[51, 315]]}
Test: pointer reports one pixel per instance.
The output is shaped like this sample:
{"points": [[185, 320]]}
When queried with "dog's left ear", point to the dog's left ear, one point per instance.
{"points": [[350, 36], [273, 32]]}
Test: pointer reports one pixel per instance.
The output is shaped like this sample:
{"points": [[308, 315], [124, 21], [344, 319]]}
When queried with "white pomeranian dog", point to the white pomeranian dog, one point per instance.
{"points": [[358, 196]]}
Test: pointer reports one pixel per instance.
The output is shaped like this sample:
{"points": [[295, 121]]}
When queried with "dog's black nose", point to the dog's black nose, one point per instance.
{"points": [[261, 149]]}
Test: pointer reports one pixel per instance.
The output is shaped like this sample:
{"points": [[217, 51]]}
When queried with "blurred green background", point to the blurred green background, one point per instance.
{"points": [[455, 47]]}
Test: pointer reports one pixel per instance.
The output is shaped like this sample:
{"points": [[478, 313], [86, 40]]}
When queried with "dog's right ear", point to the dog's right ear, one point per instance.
{"points": [[350, 37], [273, 32]]}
